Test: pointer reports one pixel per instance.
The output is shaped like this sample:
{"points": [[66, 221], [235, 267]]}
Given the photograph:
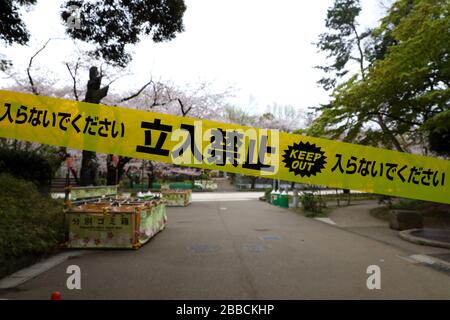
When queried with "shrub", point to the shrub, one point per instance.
{"points": [[409, 204], [312, 203], [28, 165], [30, 223], [267, 194]]}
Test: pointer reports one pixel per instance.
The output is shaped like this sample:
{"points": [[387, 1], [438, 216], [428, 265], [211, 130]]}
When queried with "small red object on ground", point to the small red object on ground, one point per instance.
{"points": [[56, 296]]}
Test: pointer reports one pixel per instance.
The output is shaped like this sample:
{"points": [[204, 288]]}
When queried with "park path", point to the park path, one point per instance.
{"points": [[356, 215], [357, 219], [243, 249]]}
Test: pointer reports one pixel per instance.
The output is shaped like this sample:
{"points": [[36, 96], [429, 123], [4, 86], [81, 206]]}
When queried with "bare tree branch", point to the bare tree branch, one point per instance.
{"points": [[119, 77], [14, 77], [159, 90], [184, 111], [101, 69], [156, 96], [138, 92], [33, 87], [74, 78]]}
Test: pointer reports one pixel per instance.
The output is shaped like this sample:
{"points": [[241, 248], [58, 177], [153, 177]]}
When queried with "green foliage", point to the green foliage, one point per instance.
{"points": [[381, 213], [181, 185], [177, 177], [438, 132], [36, 165], [12, 27], [30, 224], [406, 84], [312, 203], [267, 194], [408, 204], [341, 40], [112, 24]]}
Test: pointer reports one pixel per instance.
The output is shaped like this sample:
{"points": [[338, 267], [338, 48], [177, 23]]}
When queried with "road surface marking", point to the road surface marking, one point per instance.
{"points": [[423, 258], [270, 238], [326, 220]]}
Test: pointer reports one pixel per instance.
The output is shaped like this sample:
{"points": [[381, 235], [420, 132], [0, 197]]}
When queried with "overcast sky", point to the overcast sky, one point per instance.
{"points": [[263, 49]]}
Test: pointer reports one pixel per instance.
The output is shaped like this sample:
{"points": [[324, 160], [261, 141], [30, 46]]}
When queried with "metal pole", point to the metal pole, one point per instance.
{"points": [[117, 174], [295, 200], [142, 175]]}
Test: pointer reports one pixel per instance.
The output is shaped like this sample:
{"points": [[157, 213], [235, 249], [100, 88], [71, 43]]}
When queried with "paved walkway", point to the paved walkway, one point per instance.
{"points": [[356, 215], [357, 219], [243, 250], [224, 185], [225, 196]]}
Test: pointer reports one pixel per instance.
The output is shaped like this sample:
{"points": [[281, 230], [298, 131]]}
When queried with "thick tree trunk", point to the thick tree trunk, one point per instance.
{"points": [[253, 183], [388, 132], [114, 174], [380, 119], [75, 176], [89, 165], [89, 168], [130, 176], [150, 174]]}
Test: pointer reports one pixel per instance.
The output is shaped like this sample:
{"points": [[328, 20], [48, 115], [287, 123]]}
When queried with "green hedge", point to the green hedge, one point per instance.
{"points": [[158, 185], [30, 223], [181, 185]]}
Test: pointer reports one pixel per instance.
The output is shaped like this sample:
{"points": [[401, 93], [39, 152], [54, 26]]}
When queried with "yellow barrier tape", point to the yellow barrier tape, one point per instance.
{"points": [[222, 146]]}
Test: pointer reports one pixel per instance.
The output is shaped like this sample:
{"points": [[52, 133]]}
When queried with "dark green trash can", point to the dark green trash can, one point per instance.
{"points": [[283, 200]]}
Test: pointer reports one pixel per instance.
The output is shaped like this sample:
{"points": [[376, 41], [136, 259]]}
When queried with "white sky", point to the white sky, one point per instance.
{"points": [[261, 48]]}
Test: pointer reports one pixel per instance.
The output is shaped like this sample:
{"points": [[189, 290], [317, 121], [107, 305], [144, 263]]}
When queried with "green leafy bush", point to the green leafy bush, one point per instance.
{"points": [[312, 203], [30, 223], [409, 204], [29, 165], [267, 194]]}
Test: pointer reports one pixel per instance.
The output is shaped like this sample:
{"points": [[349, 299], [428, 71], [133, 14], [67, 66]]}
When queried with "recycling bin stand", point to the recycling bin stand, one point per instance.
{"points": [[176, 198], [103, 225]]}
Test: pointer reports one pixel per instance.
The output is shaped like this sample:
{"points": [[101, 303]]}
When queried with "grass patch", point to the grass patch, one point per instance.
{"points": [[426, 208], [381, 213]]}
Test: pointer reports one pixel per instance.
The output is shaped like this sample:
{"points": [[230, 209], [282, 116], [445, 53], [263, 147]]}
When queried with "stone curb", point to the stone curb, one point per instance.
{"points": [[406, 235], [35, 270]]}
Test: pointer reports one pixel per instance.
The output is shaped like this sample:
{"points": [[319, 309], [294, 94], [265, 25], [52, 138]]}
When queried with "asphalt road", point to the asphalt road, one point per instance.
{"points": [[243, 249]]}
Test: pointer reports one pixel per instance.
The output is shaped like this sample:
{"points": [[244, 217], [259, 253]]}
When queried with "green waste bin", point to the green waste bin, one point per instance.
{"points": [[283, 200], [275, 197]]}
